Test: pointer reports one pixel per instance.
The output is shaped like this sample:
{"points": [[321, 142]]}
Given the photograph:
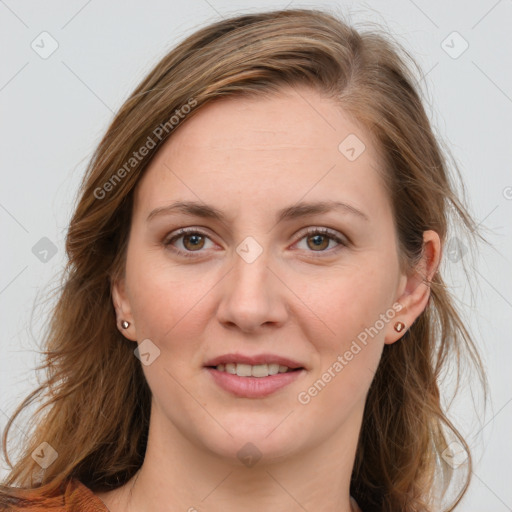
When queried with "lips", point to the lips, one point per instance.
{"points": [[253, 387], [253, 376]]}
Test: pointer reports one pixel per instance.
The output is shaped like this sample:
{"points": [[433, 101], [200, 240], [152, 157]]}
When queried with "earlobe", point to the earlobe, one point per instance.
{"points": [[124, 319], [415, 287]]}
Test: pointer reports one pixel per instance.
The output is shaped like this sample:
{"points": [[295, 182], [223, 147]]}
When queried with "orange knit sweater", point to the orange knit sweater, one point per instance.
{"points": [[76, 498]]}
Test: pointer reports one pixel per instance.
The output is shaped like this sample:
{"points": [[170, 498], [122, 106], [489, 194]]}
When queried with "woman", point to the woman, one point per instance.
{"points": [[253, 315]]}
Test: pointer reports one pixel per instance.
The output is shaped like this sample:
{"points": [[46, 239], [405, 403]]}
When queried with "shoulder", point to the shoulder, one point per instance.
{"points": [[76, 497]]}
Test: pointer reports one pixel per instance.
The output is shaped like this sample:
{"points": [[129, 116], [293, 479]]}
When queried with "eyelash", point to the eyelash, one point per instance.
{"points": [[311, 231]]}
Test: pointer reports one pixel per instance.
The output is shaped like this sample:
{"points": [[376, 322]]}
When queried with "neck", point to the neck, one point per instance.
{"points": [[178, 474]]}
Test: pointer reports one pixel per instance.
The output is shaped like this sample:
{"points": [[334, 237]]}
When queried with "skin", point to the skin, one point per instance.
{"points": [[250, 158]]}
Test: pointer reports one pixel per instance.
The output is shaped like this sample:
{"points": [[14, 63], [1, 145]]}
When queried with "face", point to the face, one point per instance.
{"points": [[268, 282]]}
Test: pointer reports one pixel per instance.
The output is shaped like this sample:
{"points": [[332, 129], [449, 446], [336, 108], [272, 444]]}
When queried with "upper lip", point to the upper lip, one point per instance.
{"points": [[253, 360]]}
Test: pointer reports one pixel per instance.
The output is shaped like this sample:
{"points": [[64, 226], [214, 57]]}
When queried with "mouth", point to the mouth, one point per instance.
{"points": [[258, 371], [271, 363], [253, 376]]}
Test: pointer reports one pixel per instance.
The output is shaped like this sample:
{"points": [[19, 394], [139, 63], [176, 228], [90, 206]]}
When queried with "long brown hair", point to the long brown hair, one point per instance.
{"points": [[95, 403]]}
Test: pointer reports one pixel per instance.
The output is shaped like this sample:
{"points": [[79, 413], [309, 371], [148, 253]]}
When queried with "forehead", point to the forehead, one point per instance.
{"points": [[299, 118], [284, 146]]}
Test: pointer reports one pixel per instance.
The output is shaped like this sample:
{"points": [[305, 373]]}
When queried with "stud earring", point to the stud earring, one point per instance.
{"points": [[399, 326], [125, 324]]}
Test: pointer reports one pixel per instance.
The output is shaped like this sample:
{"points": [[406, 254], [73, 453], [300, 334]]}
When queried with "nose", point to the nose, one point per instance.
{"points": [[252, 296]]}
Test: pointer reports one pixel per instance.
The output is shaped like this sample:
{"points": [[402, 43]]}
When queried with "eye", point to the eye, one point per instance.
{"points": [[193, 241], [319, 239]]}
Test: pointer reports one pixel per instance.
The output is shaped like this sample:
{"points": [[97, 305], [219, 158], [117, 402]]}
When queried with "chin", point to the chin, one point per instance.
{"points": [[268, 441]]}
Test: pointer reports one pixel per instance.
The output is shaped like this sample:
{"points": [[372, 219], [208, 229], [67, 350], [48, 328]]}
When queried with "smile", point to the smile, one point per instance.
{"points": [[246, 386]]}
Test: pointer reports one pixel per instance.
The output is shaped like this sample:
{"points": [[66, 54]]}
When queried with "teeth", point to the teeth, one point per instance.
{"points": [[273, 369], [247, 370], [243, 370], [259, 370], [230, 368]]}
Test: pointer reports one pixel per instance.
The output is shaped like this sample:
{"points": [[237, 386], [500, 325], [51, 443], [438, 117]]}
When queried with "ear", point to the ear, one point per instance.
{"points": [[123, 309], [414, 288]]}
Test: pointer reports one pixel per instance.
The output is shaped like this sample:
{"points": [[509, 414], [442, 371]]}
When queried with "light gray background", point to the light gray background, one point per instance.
{"points": [[53, 112]]}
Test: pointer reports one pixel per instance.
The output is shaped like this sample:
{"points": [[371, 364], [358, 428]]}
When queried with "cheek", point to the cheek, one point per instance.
{"points": [[170, 308], [166, 302], [355, 306], [348, 301]]}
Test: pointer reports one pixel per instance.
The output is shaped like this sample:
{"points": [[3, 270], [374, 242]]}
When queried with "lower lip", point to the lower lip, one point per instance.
{"points": [[253, 387]]}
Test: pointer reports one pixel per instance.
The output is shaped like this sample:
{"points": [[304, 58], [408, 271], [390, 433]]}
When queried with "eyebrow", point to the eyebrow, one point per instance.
{"points": [[197, 209]]}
